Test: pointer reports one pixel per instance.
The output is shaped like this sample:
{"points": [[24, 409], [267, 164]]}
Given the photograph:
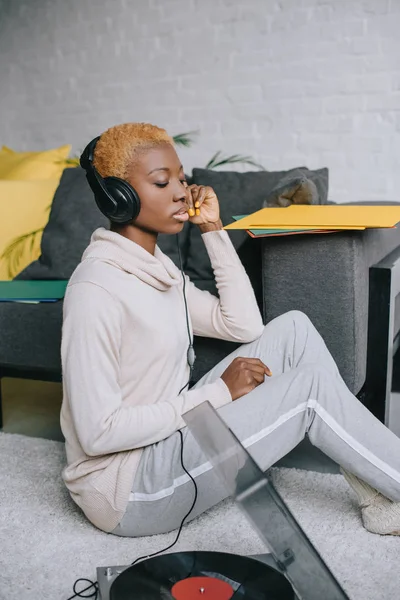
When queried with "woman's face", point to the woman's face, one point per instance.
{"points": [[158, 178]]}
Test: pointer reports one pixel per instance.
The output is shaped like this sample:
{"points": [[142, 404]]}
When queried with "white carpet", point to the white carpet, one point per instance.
{"points": [[46, 543]]}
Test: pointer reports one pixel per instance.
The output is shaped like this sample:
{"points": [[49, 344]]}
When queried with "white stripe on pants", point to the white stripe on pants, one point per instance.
{"points": [[305, 395]]}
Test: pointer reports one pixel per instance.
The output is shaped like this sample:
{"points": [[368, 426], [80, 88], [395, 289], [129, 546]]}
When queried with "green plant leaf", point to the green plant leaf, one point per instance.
{"points": [[15, 250], [69, 162], [73, 161], [185, 139], [219, 160]]}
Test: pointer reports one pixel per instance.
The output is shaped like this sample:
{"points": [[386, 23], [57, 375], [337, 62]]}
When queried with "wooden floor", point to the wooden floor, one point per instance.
{"points": [[32, 408]]}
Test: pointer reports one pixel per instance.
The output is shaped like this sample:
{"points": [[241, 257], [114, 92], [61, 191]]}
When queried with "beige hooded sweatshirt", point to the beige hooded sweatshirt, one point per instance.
{"points": [[124, 359]]}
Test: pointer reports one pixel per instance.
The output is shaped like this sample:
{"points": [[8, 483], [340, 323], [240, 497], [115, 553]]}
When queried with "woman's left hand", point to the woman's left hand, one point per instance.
{"points": [[203, 204]]}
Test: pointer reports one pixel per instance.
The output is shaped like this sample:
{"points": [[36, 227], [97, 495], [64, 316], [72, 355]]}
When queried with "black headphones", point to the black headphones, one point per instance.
{"points": [[115, 197]]}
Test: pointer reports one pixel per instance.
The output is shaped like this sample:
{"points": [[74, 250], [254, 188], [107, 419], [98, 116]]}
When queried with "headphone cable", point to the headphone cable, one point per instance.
{"points": [[190, 351]]}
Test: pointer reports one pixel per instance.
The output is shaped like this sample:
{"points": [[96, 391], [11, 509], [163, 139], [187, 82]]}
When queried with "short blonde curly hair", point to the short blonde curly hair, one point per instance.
{"points": [[117, 147]]}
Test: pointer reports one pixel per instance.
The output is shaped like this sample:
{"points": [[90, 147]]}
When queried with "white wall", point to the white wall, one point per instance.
{"points": [[291, 82]]}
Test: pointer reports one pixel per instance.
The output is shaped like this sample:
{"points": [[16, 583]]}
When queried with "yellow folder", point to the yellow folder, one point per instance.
{"points": [[321, 217], [303, 227]]}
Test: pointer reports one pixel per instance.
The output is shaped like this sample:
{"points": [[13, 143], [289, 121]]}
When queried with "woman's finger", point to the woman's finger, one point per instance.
{"points": [[190, 201], [196, 191], [252, 367], [260, 364], [256, 369], [257, 377], [200, 199]]}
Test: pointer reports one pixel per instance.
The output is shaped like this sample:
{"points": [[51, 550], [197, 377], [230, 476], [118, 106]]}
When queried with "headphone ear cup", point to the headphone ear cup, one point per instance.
{"points": [[115, 197], [124, 201]]}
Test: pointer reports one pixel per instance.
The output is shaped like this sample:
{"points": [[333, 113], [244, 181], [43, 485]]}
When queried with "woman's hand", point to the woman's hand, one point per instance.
{"points": [[203, 204], [243, 375]]}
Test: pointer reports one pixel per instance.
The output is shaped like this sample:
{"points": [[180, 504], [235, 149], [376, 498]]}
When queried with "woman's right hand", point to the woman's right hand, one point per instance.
{"points": [[243, 375]]}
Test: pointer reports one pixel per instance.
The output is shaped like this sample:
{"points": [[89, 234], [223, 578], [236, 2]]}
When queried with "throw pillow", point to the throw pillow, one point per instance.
{"points": [[294, 188], [73, 218], [48, 164], [239, 194], [24, 211]]}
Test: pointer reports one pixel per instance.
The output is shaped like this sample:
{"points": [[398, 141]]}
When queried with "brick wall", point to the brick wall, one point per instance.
{"points": [[291, 82]]}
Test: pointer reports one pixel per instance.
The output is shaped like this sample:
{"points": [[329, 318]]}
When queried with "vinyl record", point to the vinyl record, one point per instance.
{"points": [[158, 577]]}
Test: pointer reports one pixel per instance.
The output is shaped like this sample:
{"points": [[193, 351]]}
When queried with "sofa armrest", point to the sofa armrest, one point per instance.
{"points": [[326, 277]]}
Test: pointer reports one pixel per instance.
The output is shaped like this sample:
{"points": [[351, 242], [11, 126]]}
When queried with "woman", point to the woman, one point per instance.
{"points": [[125, 364]]}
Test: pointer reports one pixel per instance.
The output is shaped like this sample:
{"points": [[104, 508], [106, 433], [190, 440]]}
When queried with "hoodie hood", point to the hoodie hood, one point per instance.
{"points": [[158, 271]]}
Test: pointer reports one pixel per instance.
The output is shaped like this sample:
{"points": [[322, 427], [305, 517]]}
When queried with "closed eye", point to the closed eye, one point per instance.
{"points": [[163, 185]]}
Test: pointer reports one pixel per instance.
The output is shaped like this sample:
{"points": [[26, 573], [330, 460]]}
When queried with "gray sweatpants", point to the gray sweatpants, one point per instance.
{"points": [[304, 396]]}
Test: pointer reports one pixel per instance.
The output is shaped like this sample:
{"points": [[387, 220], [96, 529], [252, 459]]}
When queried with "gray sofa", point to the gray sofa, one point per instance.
{"points": [[326, 276]]}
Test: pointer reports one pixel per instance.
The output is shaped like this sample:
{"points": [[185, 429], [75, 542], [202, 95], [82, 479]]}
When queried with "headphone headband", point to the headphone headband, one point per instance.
{"points": [[115, 197], [87, 155]]}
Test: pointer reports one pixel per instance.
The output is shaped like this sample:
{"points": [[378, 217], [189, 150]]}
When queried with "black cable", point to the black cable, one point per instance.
{"points": [[184, 290], [181, 390], [94, 584], [186, 312]]}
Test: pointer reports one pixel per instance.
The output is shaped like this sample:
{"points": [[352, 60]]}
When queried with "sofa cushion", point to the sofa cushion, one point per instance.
{"points": [[296, 187], [240, 193], [73, 218]]}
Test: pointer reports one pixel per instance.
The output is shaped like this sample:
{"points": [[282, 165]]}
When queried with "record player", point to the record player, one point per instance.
{"points": [[293, 570], [213, 575]]}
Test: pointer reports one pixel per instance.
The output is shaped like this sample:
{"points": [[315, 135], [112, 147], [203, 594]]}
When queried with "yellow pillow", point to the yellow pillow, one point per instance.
{"points": [[24, 209], [48, 164]]}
